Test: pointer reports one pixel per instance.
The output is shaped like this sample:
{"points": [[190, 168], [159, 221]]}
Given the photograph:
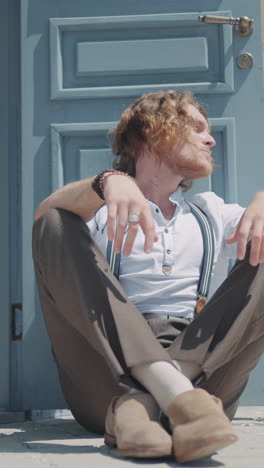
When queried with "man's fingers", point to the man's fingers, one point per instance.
{"points": [[134, 211], [111, 220], [146, 223], [261, 251], [130, 238], [231, 239], [150, 238], [124, 199], [256, 242], [118, 226], [245, 231], [242, 236], [121, 227]]}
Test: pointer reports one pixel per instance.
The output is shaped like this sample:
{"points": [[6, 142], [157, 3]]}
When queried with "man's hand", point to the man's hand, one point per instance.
{"points": [[123, 197], [251, 227]]}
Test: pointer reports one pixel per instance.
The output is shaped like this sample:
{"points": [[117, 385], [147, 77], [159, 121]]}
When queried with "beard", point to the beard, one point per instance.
{"points": [[194, 165]]}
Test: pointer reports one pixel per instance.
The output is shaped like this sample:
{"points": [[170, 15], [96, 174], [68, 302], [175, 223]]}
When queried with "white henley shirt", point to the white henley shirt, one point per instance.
{"points": [[165, 281]]}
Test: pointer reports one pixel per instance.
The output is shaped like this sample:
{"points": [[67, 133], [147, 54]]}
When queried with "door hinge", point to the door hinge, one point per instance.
{"points": [[16, 322]]}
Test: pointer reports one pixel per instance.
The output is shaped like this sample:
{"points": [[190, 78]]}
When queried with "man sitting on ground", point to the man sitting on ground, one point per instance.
{"points": [[128, 351]]}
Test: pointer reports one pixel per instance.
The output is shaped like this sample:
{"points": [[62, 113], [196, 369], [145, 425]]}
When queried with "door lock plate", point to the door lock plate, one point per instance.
{"points": [[245, 61]]}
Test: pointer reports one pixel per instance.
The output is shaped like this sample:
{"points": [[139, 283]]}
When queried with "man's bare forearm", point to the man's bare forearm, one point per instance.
{"points": [[77, 197]]}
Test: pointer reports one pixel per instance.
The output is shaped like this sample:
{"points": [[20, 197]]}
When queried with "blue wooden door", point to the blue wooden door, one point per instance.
{"points": [[82, 64]]}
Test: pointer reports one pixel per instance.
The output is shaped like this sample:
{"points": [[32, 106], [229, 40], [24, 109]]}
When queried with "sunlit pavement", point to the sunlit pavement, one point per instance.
{"points": [[64, 443]]}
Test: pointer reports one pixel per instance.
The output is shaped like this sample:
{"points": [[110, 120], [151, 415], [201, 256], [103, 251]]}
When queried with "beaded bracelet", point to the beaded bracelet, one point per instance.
{"points": [[98, 182]]}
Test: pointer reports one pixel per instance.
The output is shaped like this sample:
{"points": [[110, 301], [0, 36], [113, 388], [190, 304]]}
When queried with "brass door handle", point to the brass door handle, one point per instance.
{"points": [[244, 24]]}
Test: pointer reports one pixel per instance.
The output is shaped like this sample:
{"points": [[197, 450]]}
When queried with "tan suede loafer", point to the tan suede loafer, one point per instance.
{"points": [[130, 426], [199, 424]]}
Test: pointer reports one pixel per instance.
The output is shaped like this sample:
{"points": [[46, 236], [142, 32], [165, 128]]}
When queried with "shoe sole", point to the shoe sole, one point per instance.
{"points": [[205, 451], [143, 452], [110, 440]]}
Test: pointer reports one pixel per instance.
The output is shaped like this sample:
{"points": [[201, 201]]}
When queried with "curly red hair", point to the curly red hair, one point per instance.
{"points": [[154, 120]]}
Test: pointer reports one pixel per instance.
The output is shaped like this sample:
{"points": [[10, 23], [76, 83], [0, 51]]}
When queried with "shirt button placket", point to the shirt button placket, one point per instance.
{"points": [[168, 260]]}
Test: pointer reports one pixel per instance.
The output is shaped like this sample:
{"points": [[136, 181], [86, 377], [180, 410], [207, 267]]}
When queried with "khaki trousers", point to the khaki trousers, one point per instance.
{"points": [[97, 334]]}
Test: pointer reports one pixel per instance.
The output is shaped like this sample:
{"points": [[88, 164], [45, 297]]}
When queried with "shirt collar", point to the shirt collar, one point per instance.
{"points": [[177, 197]]}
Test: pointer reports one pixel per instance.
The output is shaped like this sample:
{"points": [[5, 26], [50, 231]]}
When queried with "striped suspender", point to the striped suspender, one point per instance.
{"points": [[208, 256], [113, 258], [207, 260]]}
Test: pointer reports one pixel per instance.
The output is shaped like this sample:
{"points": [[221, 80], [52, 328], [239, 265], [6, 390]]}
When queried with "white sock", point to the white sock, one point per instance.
{"points": [[163, 381]]}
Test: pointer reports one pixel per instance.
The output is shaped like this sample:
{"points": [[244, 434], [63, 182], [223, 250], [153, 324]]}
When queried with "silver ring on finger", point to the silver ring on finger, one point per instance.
{"points": [[133, 218]]}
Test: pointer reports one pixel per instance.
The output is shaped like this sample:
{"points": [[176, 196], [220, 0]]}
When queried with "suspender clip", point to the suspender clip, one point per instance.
{"points": [[200, 304]]}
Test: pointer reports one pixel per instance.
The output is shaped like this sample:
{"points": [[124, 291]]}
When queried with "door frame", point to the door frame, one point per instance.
{"points": [[4, 210], [10, 150]]}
